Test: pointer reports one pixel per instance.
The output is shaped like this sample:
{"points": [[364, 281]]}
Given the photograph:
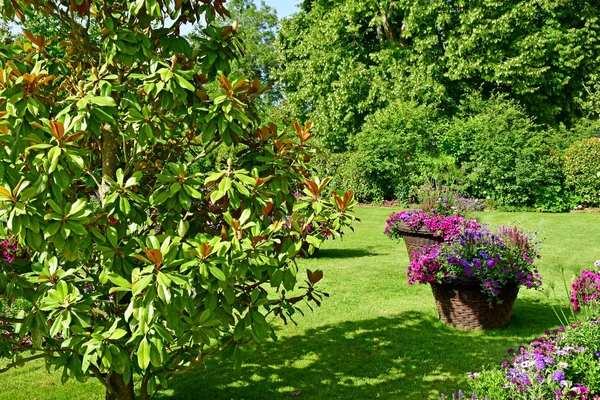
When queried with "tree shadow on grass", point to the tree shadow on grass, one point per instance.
{"points": [[408, 356], [345, 253]]}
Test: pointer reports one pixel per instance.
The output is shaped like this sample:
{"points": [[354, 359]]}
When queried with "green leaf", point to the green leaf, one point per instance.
{"points": [[77, 206], [124, 205], [141, 284], [184, 83], [117, 334], [77, 228], [119, 280], [175, 187], [217, 273], [239, 330], [103, 101], [53, 157], [111, 234], [143, 354], [192, 192]]}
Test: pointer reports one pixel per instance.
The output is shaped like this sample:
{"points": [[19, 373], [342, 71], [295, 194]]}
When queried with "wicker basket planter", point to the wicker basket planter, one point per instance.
{"points": [[416, 239], [462, 305]]}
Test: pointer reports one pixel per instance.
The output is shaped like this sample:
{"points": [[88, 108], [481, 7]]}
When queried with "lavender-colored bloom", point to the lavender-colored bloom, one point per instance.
{"points": [[558, 375]]}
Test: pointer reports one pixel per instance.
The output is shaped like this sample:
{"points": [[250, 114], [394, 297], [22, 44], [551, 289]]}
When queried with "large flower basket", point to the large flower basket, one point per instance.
{"points": [[415, 239], [462, 304]]}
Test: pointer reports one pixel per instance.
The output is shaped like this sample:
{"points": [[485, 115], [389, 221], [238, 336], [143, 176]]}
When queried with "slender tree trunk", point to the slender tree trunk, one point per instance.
{"points": [[119, 389], [109, 157]]}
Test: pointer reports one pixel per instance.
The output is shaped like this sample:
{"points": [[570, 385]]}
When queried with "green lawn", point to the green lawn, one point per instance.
{"points": [[375, 337]]}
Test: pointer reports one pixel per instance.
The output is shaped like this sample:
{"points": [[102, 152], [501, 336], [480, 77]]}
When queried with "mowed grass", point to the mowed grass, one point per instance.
{"points": [[375, 337]]}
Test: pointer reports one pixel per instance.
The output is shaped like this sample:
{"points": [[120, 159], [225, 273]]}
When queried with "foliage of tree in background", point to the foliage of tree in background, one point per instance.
{"points": [[387, 157], [135, 262], [582, 171], [505, 156], [541, 56]]}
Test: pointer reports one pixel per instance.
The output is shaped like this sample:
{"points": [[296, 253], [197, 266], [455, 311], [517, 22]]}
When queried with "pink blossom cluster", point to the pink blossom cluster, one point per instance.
{"points": [[425, 265], [585, 290], [448, 227], [9, 248]]}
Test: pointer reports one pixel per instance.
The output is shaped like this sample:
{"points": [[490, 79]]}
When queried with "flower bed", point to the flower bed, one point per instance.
{"points": [[446, 227], [564, 364]]}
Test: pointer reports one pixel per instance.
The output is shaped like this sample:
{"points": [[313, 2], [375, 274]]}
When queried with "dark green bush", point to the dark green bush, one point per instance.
{"points": [[505, 156], [582, 171], [391, 152]]}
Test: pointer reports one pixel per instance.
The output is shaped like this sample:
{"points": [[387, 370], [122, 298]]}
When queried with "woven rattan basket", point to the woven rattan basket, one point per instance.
{"points": [[416, 239], [462, 305]]}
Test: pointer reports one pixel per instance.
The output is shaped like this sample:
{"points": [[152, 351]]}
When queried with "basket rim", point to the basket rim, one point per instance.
{"points": [[404, 227]]}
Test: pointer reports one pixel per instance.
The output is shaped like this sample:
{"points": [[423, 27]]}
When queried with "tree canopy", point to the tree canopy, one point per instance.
{"points": [[364, 54], [134, 259]]}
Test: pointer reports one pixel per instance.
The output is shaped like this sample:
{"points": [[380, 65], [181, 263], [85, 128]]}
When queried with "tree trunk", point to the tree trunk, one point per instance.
{"points": [[109, 157], [119, 389]]}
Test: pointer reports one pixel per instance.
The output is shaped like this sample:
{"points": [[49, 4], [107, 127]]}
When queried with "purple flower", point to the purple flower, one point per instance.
{"points": [[558, 375]]}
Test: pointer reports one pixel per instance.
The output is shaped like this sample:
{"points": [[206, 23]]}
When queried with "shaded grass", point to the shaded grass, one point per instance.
{"points": [[375, 337]]}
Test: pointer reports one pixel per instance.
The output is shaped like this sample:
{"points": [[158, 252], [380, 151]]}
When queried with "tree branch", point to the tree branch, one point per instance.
{"points": [[24, 360], [12, 320], [200, 357]]}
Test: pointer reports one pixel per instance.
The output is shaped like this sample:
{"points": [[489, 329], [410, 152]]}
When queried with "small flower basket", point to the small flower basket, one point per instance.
{"points": [[419, 228], [415, 239], [461, 304]]}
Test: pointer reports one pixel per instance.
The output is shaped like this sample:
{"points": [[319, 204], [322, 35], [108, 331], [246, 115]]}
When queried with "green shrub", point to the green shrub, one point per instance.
{"points": [[390, 152], [505, 156], [582, 170]]}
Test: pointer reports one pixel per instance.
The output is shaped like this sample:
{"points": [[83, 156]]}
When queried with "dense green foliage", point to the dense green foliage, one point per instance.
{"points": [[257, 24], [582, 170], [364, 59], [388, 156], [505, 156], [137, 262]]}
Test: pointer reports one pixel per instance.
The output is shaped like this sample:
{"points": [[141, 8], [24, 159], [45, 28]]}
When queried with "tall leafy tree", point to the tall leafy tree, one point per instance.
{"points": [[134, 261], [363, 54]]}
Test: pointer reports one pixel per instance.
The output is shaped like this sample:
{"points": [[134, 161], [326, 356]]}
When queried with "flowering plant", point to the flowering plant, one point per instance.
{"points": [[585, 290], [444, 201], [493, 258], [447, 227], [9, 248], [563, 364], [440, 211]]}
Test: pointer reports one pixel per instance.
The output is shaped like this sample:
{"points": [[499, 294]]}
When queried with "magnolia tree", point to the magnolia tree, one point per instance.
{"points": [[136, 263]]}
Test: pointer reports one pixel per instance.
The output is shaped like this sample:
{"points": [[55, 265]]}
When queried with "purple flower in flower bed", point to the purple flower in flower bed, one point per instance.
{"points": [[563, 365]]}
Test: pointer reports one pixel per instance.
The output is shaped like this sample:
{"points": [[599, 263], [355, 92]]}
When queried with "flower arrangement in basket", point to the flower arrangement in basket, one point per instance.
{"points": [[439, 218], [491, 258], [476, 278]]}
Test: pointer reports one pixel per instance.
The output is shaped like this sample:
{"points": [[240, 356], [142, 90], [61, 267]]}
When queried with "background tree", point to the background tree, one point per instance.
{"points": [[364, 54], [134, 261]]}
